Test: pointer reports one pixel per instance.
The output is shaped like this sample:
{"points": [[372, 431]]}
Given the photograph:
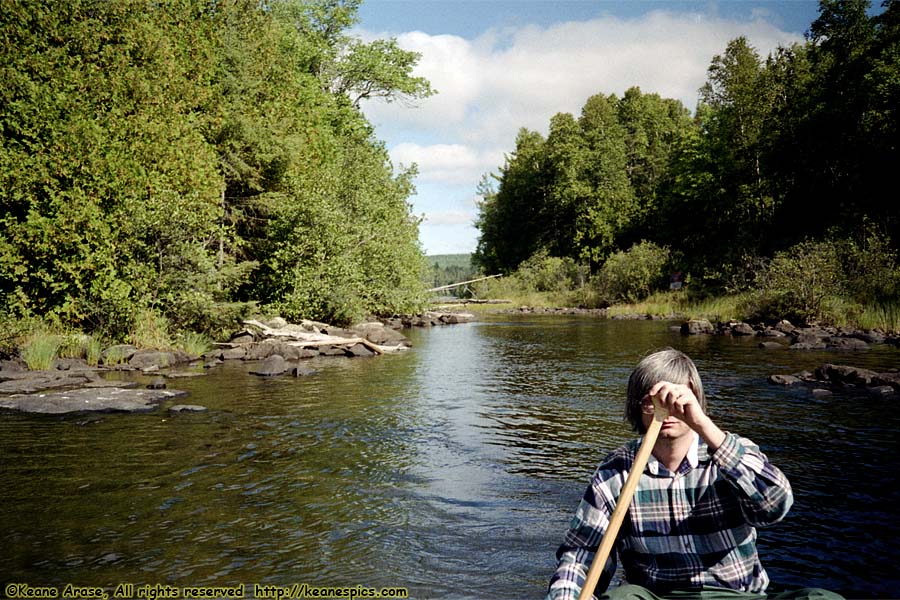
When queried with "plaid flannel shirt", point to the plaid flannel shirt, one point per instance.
{"points": [[692, 528]]}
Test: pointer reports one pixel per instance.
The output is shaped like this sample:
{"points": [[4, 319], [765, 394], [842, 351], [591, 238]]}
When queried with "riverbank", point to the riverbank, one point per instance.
{"points": [[681, 304], [270, 348]]}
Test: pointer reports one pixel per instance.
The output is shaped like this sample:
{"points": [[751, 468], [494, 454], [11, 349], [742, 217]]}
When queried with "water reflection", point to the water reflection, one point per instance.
{"points": [[452, 470]]}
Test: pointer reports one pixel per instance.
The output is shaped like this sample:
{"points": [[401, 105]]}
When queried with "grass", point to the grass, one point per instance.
{"points": [[40, 349], [151, 330], [81, 345], [195, 344]]}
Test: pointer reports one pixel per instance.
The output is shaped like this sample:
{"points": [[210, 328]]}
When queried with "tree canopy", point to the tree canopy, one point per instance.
{"points": [[801, 144], [189, 157]]}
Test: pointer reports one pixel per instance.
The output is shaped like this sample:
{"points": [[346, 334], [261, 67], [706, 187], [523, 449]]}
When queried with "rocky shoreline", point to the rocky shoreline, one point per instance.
{"points": [[785, 335], [274, 347], [829, 377]]}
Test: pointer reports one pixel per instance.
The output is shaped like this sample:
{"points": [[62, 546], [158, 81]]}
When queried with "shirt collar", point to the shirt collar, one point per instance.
{"points": [[692, 458]]}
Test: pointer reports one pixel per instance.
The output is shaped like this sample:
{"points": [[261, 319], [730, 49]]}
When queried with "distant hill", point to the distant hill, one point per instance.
{"points": [[450, 260], [445, 269]]}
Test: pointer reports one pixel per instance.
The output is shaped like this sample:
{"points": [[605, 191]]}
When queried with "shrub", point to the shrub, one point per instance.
{"points": [[870, 267], [797, 282], [194, 344], [544, 273], [151, 330], [634, 274]]}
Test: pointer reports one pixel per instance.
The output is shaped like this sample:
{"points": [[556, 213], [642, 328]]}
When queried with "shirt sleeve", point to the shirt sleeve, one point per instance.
{"points": [[577, 551], [764, 492]]}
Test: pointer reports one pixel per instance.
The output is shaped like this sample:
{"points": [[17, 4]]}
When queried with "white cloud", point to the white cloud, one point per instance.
{"points": [[446, 163], [452, 217], [490, 86]]}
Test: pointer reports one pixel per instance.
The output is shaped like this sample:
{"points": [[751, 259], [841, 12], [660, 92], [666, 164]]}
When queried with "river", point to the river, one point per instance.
{"points": [[451, 470]]}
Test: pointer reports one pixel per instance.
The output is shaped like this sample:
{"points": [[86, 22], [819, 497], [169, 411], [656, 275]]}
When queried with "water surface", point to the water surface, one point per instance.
{"points": [[452, 469]]}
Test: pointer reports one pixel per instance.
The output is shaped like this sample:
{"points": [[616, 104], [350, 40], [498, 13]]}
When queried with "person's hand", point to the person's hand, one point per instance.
{"points": [[682, 403], [679, 400]]}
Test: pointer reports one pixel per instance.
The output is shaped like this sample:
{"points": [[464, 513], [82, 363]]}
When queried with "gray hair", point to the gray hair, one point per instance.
{"points": [[667, 364]]}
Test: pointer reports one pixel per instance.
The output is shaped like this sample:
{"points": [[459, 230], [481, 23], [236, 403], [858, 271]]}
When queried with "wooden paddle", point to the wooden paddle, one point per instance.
{"points": [[624, 501]]}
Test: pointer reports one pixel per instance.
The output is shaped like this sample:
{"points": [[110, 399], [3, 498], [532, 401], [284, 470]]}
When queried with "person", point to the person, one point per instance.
{"points": [[690, 531]]}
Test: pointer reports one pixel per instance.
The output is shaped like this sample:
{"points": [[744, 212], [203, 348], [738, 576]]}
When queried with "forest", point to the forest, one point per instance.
{"points": [[781, 180], [185, 163]]}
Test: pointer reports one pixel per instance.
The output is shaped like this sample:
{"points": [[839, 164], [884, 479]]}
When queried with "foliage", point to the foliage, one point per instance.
{"points": [[795, 146], [185, 160], [797, 282], [632, 275], [195, 344]]}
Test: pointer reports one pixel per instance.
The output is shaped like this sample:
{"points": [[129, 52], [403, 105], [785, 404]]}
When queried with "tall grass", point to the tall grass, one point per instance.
{"points": [[194, 344], [151, 330], [40, 349]]}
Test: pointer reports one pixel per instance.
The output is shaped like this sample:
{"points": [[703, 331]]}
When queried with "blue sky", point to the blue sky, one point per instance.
{"points": [[499, 65]]}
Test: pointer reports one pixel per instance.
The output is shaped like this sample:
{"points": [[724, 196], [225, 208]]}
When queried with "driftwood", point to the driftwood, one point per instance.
{"points": [[298, 335]]}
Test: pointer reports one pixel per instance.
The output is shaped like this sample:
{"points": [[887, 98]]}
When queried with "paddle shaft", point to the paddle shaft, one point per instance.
{"points": [[622, 504]]}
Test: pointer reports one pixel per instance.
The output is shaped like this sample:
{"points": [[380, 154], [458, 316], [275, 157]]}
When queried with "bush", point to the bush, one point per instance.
{"points": [[797, 282], [544, 273], [870, 267], [634, 274]]}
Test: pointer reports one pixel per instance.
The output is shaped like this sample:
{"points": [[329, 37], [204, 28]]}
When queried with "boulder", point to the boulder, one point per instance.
{"points": [[697, 327], [238, 353], [773, 333], [333, 351], [821, 393], [359, 351], [70, 364], [846, 343], [869, 337], [784, 326], [147, 359], [244, 337], [742, 329], [784, 379], [36, 381], [273, 365], [456, 318], [276, 323], [378, 333], [302, 372], [90, 400], [881, 390], [891, 379], [844, 374]]}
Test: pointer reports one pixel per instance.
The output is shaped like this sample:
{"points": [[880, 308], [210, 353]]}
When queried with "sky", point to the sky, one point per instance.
{"points": [[499, 65]]}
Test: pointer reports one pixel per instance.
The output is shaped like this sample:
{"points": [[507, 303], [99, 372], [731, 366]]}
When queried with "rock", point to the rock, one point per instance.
{"points": [[107, 383], [36, 381], [276, 323], [784, 326], [783, 379], [333, 351], [675, 328], [184, 374], [774, 333], [377, 333], [211, 363], [891, 379], [742, 329], [158, 383], [13, 365], [697, 327], [302, 372], [147, 359], [869, 337], [808, 336], [359, 351], [844, 374], [456, 318], [771, 346], [244, 337], [808, 346], [881, 390], [821, 393], [846, 343], [181, 408], [339, 332], [215, 354], [90, 400], [70, 364], [238, 353], [274, 365]]}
